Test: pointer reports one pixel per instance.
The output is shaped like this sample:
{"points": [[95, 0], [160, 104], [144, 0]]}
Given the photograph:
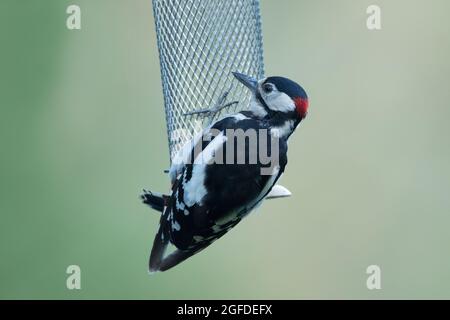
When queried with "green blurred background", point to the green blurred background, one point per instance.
{"points": [[83, 131]]}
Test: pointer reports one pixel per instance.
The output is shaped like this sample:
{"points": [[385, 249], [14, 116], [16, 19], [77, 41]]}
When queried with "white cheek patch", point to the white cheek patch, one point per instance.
{"points": [[279, 101]]}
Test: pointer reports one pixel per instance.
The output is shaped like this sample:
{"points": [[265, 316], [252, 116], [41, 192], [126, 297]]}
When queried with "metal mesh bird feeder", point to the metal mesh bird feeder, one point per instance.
{"points": [[200, 43]]}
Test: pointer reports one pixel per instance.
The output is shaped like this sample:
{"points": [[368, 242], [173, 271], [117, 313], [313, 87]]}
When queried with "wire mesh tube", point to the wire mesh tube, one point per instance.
{"points": [[200, 43]]}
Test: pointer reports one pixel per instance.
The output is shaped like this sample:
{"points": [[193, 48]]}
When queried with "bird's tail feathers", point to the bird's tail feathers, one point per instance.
{"points": [[160, 244], [155, 200]]}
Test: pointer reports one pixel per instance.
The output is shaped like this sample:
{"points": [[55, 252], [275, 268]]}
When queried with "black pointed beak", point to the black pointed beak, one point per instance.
{"points": [[247, 81]]}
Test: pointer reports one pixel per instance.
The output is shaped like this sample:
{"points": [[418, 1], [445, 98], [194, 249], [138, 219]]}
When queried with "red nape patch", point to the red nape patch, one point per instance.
{"points": [[301, 105]]}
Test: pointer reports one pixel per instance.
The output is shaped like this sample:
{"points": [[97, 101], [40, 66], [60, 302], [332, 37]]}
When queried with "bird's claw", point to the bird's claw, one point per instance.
{"points": [[211, 112]]}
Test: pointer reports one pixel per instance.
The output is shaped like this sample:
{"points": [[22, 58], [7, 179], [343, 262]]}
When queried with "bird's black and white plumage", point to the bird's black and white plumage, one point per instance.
{"points": [[209, 198]]}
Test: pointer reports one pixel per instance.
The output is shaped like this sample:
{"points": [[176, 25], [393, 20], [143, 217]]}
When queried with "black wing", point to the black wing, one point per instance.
{"points": [[230, 191], [227, 193]]}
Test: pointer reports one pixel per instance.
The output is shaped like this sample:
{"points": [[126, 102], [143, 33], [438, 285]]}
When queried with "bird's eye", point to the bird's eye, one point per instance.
{"points": [[268, 87]]}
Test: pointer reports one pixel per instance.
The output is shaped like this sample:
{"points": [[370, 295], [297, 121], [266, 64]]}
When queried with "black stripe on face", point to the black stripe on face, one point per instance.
{"points": [[260, 99]]}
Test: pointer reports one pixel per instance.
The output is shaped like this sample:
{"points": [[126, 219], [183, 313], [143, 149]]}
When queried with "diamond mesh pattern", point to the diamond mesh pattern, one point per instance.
{"points": [[200, 43]]}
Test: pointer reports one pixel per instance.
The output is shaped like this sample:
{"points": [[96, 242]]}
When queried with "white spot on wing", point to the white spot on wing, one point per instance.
{"points": [[180, 205], [176, 226]]}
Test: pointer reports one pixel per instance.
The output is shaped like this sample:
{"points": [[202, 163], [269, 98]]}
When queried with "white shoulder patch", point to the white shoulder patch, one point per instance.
{"points": [[239, 117], [183, 156], [194, 189]]}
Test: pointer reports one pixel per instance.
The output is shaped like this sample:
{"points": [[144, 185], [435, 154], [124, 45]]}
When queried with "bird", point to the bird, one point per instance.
{"points": [[208, 198]]}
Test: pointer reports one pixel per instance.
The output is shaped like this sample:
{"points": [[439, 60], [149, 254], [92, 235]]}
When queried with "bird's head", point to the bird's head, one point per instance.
{"points": [[276, 96]]}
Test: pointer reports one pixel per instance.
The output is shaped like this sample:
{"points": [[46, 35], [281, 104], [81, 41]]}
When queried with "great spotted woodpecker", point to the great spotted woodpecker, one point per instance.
{"points": [[209, 198]]}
